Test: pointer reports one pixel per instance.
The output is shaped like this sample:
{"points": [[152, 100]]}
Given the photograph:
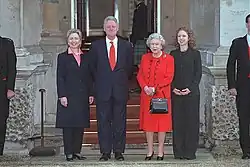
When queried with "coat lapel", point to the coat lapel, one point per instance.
{"points": [[118, 53], [245, 46], [73, 60], [104, 51]]}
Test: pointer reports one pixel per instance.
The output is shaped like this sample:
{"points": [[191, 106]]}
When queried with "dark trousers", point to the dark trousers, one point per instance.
{"points": [[4, 113], [72, 139], [111, 117], [2, 134], [243, 108], [186, 120]]}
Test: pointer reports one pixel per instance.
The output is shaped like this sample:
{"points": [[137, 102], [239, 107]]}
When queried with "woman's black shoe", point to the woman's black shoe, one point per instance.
{"points": [[69, 157], [147, 158], [79, 156], [160, 157]]}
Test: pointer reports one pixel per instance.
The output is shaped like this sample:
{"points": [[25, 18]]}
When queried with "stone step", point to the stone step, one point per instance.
{"points": [[132, 137], [135, 139]]}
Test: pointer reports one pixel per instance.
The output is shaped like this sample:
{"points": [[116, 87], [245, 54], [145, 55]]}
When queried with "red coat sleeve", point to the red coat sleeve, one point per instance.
{"points": [[169, 74], [140, 75]]}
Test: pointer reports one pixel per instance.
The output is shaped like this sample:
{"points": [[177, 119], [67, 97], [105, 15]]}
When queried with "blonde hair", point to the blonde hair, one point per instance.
{"points": [[77, 31]]}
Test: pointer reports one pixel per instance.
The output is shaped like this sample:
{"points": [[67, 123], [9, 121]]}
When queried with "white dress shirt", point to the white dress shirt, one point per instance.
{"points": [[248, 39], [115, 42]]}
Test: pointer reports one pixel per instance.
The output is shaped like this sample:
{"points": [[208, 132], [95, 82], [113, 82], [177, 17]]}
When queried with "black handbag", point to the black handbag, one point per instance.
{"points": [[159, 106]]}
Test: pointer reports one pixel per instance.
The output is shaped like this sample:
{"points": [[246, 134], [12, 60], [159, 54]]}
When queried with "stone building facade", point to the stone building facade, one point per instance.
{"points": [[38, 29]]}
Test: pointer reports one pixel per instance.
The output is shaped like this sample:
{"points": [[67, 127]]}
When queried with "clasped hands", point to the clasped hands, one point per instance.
{"points": [[64, 101], [150, 91], [181, 92]]}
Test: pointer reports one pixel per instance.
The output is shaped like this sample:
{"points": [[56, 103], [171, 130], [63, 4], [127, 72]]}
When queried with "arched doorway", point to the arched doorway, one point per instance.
{"points": [[90, 16]]}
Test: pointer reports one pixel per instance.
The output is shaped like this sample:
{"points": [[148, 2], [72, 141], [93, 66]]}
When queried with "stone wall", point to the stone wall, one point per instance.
{"points": [[223, 125], [21, 121], [205, 101]]}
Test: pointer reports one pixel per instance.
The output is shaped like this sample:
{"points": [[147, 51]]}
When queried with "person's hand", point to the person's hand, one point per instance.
{"points": [[64, 101], [177, 92], [10, 94], [149, 90], [232, 92], [185, 91], [152, 91], [91, 99], [146, 90]]}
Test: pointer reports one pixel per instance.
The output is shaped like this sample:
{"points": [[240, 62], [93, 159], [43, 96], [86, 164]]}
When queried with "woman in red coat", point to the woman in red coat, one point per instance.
{"points": [[155, 77]]}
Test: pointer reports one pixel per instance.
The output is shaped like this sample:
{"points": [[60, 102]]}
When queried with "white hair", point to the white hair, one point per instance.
{"points": [[156, 36], [112, 18]]}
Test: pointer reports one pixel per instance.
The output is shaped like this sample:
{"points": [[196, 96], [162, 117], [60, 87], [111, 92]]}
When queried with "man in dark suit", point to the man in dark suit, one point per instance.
{"points": [[140, 27], [111, 66], [239, 85], [7, 83]]}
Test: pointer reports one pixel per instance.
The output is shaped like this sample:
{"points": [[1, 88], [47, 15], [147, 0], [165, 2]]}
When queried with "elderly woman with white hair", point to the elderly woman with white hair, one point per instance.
{"points": [[155, 76]]}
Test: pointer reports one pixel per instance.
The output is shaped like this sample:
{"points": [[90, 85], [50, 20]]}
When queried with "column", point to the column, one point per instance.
{"points": [[232, 25], [223, 115], [10, 20], [50, 33]]}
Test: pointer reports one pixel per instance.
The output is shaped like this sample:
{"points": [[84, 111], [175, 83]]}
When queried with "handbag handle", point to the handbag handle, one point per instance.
{"points": [[162, 93]]}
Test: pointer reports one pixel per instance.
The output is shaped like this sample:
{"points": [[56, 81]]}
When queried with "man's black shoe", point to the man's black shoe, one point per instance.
{"points": [[119, 157], [245, 156], [105, 157]]}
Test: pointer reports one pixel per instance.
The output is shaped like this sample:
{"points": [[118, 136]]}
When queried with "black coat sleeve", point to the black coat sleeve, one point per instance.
{"points": [[11, 65], [61, 74], [92, 64], [130, 60], [231, 62], [173, 82], [197, 71], [91, 76]]}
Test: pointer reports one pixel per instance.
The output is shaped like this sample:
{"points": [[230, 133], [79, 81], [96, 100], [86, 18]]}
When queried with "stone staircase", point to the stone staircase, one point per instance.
{"points": [[134, 136]]}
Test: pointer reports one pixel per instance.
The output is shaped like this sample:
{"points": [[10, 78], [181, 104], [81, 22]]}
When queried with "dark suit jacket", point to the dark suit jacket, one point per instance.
{"points": [[7, 74], [238, 54], [7, 62], [110, 83], [188, 70], [75, 83]]}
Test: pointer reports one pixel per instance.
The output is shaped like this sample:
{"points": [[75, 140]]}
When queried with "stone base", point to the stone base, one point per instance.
{"points": [[226, 148], [219, 73], [220, 57], [223, 137]]}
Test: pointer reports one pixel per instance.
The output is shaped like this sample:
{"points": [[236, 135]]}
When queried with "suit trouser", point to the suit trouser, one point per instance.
{"points": [[185, 113], [4, 113], [2, 134], [243, 108], [111, 117], [72, 139]]}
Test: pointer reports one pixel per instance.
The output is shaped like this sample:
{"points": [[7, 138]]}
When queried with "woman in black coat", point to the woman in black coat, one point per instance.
{"points": [[74, 93], [186, 95]]}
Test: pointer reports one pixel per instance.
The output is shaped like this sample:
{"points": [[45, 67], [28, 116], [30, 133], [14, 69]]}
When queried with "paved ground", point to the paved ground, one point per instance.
{"points": [[134, 157]]}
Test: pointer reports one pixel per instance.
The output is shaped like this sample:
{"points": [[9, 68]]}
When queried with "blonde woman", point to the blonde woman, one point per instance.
{"points": [[73, 89]]}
